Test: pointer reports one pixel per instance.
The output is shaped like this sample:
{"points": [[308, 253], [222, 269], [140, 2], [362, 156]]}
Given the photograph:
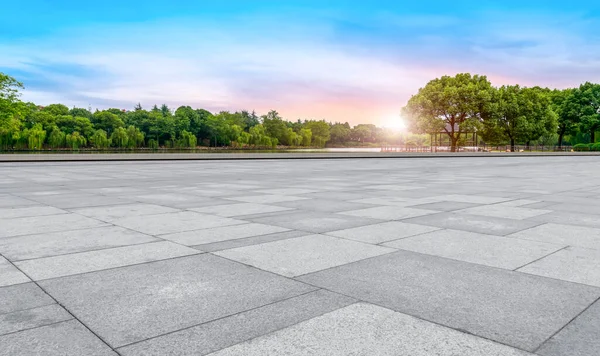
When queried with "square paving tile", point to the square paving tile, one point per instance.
{"points": [[10, 275], [314, 222], [266, 199], [60, 243], [248, 241], [508, 212], [569, 218], [46, 224], [22, 212], [495, 251], [572, 264], [65, 265], [580, 236], [224, 233], [130, 304], [513, 308], [174, 222], [378, 233], [579, 338], [231, 210], [365, 329], [221, 333], [68, 338], [324, 205], [474, 223], [32, 318], [445, 206], [388, 213], [301, 255], [110, 213], [22, 296]]}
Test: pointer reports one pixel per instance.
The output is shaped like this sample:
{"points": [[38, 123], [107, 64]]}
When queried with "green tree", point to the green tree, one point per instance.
{"points": [[135, 137], [452, 105], [11, 110], [275, 127], [100, 139], [340, 133], [587, 97], [57, 138], [187, 140], [57, 109], [306, 135], [106, 121], [320, 132], [119, 137], [566, 108], [75, 140], [36, 137], [70, 124], [81, 112]]}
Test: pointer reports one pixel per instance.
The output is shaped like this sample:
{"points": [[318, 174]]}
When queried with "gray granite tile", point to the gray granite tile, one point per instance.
{"points": [[131, 304], [46, 224], [383, 232], [365, 329], [231, 210], [110, 213], [324, 205], [173, 222], [388, 213], [212, 336], [84, 262], [219, 234], [513, 308], [572, 264], [313, 221], [22, 296], [32, 318], [474, 223], [503, 211], [301, 255], [26, 211], [572, 235], [248, 241], [579, 338], [445, 206], [10, 275], [59, 243], [495, 251], [68, 338]]}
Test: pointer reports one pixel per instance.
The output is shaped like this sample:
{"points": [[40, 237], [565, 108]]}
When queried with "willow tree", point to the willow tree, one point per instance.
{"points": [[451, 105]]}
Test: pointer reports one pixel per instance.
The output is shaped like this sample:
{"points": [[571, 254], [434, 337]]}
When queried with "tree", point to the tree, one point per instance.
{"points": [[75, 140], [100, 140], [566, 108], [135, 137], [36, 137], [588, 98], [306, 135], [320, 132], [11, 109], [81, 112], [340, 133], [57, 109], [57, 138], [275, 127], [106, 121], [119, 137], [452, 105], [188, 140]]}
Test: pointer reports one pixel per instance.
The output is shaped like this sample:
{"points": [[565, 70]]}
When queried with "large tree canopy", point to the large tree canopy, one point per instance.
{"points": [[452, 105]]}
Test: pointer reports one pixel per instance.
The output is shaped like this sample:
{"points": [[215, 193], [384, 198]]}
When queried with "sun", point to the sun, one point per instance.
{"points": [[394, 123]]}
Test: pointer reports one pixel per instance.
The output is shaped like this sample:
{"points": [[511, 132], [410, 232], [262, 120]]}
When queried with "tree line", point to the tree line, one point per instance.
{"points": [[509, 114], [28, 126]]}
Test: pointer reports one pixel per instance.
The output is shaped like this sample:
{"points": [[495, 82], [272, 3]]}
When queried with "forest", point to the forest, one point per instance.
{"points": [[506, 115]]}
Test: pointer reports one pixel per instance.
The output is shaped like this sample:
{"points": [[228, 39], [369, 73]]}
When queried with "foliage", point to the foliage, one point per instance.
{"points": [[100, 140], [75, 140], [119, 138], [57, 138]]}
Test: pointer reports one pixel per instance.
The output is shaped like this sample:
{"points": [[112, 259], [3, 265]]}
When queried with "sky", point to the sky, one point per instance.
{"points": [[339, 60]]}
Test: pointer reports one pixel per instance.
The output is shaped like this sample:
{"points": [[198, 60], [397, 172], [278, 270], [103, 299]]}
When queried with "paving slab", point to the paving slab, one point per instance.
{"points": [[22, 212], [503, 211], [364, 329], [569, 218], [324, 205], [444, 206], [314, 222], [131, 304], [59, 243], [231, 210], [219, 234], [513, 308], [379, 233], [68, 338], [489, 250], [388, 213], [580, 236], [110, 213], [79, 200], [22, 296], [32, 318], [10, 275], [302, 255], [11, 201], [579, 338], [572, 264], [84, 262], [160, 224], [46, 224], [248, 241], [474, 223], [266, 198], [213, 336]]}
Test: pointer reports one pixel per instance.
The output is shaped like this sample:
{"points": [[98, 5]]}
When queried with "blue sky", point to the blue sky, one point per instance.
{"points": [[341, 60]]}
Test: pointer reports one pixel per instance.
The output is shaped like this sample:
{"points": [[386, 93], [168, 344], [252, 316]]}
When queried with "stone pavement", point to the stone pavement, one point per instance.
{"points": [[449, 256]]}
